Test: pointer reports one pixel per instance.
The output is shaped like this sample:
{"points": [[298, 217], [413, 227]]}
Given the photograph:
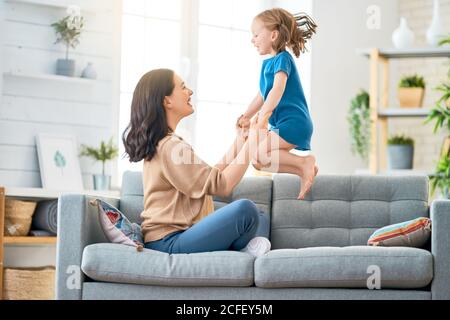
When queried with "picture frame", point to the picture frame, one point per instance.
{"points": [[58, 162]]}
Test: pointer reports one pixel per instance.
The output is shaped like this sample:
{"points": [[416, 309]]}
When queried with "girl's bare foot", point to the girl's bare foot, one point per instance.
{"points": [[309, 171]]}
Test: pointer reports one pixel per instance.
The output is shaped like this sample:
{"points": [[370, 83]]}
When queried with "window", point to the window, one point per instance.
{"points": [[210, 42], [228, 75], [145, 47]]}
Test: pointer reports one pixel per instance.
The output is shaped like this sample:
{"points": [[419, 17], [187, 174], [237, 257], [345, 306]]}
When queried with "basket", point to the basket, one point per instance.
{"points": [[18, 217], [29, 283]]}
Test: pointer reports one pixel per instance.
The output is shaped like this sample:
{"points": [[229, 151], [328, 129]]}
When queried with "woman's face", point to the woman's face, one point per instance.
{"points": [[179, 102], [262, 38]]}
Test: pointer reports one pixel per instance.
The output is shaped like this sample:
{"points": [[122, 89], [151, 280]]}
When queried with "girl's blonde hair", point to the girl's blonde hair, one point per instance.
{"points": [[294, 30]]}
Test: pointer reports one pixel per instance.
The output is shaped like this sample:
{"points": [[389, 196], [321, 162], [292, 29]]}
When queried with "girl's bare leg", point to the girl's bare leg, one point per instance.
{"points": [[273, 155]]}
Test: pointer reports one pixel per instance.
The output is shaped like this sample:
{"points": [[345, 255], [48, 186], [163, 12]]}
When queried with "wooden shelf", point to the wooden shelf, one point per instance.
{"points": [[29, 240], [400, 113], [53, 5], [43, 194], [50, 77], [380, 108], [441, 52]]}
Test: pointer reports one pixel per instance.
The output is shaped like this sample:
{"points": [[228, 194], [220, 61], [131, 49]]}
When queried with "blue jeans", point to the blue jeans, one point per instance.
{"points": [[228, 228]]}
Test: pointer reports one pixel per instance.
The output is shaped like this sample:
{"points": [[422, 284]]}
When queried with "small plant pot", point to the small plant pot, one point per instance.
{"points": [[65, 67], [400, 156], [410, 97], [102, 182]]}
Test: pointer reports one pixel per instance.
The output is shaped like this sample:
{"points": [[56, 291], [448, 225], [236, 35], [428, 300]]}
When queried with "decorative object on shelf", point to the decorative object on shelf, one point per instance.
{"points": [[106, 151], [58, 162], [400, 152], [403, 36], [89, 72], [68, 31], [411, 90], [18, 217], [29, 283], [434, 32], [359, 124]]}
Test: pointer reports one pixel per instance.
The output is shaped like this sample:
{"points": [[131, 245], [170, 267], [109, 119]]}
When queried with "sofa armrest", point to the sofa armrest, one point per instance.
{"points": [[440, 248], [78, 226]]}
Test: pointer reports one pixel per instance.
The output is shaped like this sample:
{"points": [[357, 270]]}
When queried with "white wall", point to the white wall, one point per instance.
{"points": [[338, 73], [32, 106]]}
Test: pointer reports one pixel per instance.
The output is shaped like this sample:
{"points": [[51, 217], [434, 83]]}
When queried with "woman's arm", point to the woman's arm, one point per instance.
{"points": [[241, 137], [274, 96], [254, 106], [234, 172]]}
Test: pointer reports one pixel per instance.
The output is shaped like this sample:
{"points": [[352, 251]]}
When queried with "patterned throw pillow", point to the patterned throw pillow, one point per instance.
{"points": [[413, 233], [116, 227]]}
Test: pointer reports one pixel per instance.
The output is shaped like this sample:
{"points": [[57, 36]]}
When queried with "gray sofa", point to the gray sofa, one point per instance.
{"points": [[319, 246]]}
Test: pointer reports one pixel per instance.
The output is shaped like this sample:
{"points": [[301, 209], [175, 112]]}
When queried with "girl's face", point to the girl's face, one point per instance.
{"points": [[179, 102], [263, 38]]}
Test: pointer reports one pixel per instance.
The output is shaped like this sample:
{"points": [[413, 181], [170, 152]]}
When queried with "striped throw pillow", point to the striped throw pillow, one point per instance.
{"points": [[413, 233]]}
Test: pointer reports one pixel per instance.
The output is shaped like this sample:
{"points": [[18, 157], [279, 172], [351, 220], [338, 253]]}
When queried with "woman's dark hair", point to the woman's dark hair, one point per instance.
{"points": [[148, 123]]}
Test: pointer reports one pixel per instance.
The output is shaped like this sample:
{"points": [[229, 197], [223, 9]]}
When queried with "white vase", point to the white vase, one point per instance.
{"points": [[434, 32], [89, 72], [403, 37]]}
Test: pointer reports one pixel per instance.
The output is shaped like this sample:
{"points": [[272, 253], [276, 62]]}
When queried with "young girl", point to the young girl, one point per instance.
{"points": [[281, 96]]}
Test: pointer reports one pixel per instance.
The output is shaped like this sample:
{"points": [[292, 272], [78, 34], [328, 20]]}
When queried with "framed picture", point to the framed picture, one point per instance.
{"points": [[58, 162]]}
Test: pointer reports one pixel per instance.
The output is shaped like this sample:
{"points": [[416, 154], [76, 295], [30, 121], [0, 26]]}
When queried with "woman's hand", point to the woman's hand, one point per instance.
{"points": [[242, 127]]}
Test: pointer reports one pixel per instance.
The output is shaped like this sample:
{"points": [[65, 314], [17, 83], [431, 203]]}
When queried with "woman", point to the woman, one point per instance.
{"points": [[179, 214]]}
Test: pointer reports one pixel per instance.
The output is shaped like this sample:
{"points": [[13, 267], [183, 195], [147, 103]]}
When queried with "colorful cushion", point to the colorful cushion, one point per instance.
{"points": [[413, 233], [116, 227]]}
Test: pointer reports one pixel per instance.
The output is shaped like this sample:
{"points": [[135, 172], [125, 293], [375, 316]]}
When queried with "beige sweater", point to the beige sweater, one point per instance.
{"points": [[177, 189]]}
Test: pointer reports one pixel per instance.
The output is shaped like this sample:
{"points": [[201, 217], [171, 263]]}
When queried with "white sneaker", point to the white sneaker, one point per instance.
{"points": [[257, 247]]}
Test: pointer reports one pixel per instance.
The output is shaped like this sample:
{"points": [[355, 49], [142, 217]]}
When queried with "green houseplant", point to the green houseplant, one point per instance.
{"points": [[400, 152], [106, 151], [359, 124], [441, 178], [411, 91], [440, 114], [68, 31]]}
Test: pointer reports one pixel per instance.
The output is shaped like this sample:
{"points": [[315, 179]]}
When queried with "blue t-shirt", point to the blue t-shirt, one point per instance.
{"points": [[291, 117]]}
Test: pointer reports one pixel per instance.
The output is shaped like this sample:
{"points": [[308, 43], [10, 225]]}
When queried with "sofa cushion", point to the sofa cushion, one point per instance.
{"points": [[413, 233], [342, 211], [348, 267], [116, 227], [123, 264]]}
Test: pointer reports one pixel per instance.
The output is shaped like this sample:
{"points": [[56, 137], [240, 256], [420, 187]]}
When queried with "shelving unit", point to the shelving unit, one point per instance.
{"points": [[52, 5], [381, 111], [35, 194], [50, 77]]}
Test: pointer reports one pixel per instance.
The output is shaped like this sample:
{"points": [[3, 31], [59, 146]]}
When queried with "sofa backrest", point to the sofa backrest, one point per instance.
{"points": [[257, 189], [343, 210]]}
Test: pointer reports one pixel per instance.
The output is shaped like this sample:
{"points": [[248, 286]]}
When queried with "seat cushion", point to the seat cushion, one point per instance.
{"points": [[347, 267], [119, 263]]}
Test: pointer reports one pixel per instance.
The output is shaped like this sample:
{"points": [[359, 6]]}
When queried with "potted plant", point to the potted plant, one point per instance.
{"points": [[359, 124], [68, 31], [441, 115], [411, 91], [106, 151], [400, 152], [441, 178]]}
